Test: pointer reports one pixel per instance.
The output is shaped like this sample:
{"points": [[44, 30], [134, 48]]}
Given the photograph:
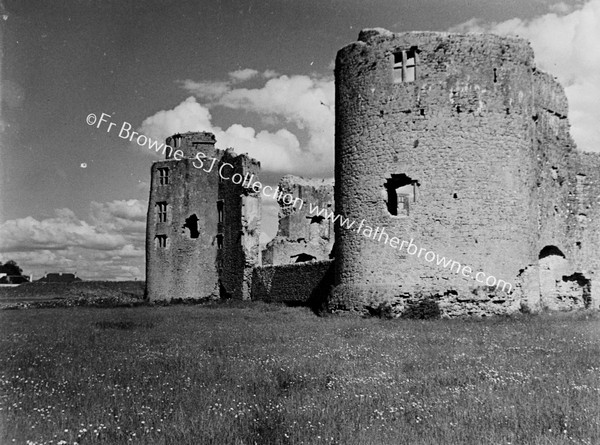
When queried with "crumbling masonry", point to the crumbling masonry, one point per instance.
{"points": [[455, 141], [202, 235]]}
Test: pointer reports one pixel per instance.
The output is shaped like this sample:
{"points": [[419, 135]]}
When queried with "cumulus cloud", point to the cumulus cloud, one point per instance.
{"points": [[189, 115], [278, 151], [111, 247], [302, 101], [301, 106], [120, 216], [62, 231], [566, 44]]}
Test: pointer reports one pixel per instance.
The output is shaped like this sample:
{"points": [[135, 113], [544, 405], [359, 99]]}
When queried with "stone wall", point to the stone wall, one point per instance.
{"points": [[183, 267], [306, 283], [240, 226], [458, 143], [202, 230], [460, 136], [301, 234]]}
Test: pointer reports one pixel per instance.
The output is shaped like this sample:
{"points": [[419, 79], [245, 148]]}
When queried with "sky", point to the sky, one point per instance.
{"points": [[258, 74]]}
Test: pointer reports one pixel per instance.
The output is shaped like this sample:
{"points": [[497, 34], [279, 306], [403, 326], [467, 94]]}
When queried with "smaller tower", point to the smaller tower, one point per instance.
{"points": [[203, 223]]}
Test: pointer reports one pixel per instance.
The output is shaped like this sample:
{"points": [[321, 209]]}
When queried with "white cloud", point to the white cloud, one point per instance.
{"points": [[301, 106], [243, 75], [278, 151], [189, 115], [209, 90], [267, 74], [566, 45], [65, 230], [213, 89], [122, 216], [561, 8], [305, 102], [111, 247]]}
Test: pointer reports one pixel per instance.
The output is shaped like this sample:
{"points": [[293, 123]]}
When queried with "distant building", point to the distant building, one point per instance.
{"points": [[13, 279], [59, 278]]}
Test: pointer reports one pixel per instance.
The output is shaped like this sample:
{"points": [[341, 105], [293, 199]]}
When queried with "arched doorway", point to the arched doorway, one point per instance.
{"points": [[553, 266]]}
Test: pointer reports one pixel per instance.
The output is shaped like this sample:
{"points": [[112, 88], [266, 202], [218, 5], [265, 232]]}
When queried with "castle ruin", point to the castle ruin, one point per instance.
{"points": [[456, 142], [202, 235]]}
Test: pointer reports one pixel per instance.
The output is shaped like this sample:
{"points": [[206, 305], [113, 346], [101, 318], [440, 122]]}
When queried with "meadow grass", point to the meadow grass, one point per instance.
{"points": [[251, 373]]}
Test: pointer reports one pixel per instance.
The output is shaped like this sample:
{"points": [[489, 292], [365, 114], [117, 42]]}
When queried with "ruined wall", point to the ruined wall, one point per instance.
{"points": [[564, 276], [459, 134], [587, 237], [183, 267], [587, 212], [301, 232], [556, 166], [202, 230], [307, 283], [240, 225]]}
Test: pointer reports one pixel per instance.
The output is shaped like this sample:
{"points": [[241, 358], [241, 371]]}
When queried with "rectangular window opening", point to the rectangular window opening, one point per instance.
{"points": [[405, 65], [160, 241], [161, 211], [220, 241], [163, 175]]}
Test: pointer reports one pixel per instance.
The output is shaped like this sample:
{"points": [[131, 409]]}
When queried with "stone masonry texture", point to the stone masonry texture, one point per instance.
{"points": [[302, 234], [479, 140], [206, 241], [454, 142], [306, 283]]}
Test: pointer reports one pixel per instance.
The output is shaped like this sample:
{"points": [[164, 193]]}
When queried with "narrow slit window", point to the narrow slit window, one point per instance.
{"points": [[163, 175], [220, 241], [220, 210], [161, 211]]}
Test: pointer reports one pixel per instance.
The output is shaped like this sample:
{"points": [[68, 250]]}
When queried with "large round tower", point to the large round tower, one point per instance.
{"points": [[434, 144]]}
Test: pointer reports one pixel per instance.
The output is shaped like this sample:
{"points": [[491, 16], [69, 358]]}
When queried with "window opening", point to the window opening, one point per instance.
{"points": [[160, 241], [163, 175], [405, 65], [220, 210], [161, 211], [401, 190], [191, 223]]}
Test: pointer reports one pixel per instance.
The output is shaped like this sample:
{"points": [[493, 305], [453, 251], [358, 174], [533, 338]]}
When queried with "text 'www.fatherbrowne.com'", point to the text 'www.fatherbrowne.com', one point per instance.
{"points": [[207, 164]]}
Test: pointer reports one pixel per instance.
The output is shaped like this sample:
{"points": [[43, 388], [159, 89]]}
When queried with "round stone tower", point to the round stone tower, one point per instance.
{"points": [[433, 147]]}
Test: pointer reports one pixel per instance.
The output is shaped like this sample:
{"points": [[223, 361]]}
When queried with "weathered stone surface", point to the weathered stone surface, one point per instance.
{"points": [[301, 232], [307, 283], [211, 224], [476, 139], [455, 142]]}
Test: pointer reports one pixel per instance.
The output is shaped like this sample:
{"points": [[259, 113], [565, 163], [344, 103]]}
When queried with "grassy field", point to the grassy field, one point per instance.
{"points": [[265, 374]]}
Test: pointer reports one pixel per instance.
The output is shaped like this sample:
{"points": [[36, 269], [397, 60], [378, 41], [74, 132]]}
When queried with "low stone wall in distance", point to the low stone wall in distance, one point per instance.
{"points": [[299, 283]]}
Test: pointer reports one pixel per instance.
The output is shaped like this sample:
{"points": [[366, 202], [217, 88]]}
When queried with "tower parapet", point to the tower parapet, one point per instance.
{"points": [[190, 144]]}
